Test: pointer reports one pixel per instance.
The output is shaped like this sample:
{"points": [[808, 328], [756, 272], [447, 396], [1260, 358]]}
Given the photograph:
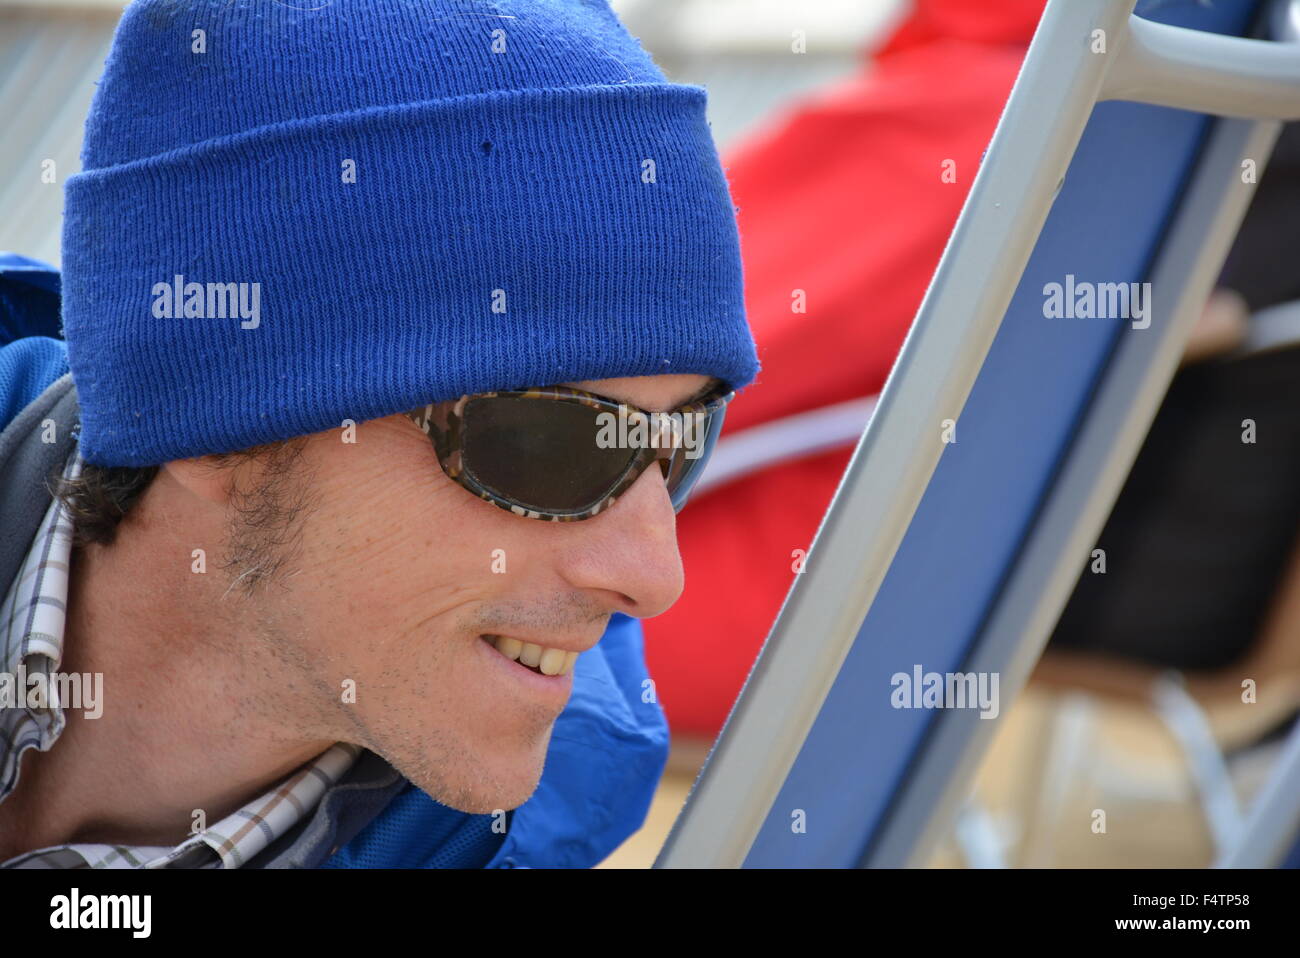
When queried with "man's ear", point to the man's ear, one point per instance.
{"points": [[204, 477]]}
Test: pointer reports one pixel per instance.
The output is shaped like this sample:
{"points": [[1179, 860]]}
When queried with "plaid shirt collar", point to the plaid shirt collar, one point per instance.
{"points": [[32, 618]]}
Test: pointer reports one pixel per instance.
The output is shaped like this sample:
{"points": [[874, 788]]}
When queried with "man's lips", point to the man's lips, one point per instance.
{"points": [[541, 659], [554, 690]]}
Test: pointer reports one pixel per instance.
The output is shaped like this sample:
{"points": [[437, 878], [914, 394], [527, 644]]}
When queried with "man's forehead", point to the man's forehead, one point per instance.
{"points": [[653, 393]]}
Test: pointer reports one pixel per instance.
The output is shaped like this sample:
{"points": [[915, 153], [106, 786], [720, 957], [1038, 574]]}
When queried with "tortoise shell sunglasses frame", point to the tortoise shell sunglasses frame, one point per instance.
{"points": [[444, 424]]}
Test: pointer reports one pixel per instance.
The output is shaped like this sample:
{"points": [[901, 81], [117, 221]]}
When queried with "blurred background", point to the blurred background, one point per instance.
{"points": [[851, 131]]}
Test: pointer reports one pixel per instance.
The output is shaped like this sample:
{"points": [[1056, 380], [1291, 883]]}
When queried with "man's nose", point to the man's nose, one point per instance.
{"points": [[630, 550]]}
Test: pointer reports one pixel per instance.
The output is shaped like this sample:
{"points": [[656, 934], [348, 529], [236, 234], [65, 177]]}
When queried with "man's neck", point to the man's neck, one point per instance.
{"points": [[191, 727]]}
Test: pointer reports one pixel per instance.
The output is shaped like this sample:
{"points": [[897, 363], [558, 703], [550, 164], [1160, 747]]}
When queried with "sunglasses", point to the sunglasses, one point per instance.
{"points": [[563, 454]]}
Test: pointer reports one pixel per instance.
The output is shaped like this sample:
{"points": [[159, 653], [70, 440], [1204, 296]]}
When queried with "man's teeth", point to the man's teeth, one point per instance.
{"points": [[547, 661]]}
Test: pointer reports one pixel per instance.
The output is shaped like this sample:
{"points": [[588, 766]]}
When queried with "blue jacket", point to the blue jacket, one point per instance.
{"points": [[607, 749]]}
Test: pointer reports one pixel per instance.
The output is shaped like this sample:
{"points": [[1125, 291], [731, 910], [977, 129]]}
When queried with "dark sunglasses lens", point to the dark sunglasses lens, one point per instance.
{"points": [[683, 478], [540, 453]]}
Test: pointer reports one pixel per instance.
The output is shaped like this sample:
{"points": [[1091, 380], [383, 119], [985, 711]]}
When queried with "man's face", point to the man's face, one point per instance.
{"points": [[398, 575]]}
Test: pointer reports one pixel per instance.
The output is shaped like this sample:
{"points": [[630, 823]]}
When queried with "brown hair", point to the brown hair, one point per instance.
{"points": [[266, 517], [100, 497]]}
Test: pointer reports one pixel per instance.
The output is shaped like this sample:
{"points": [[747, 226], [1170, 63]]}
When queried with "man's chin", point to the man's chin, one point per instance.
{"points": [[498, 787], [485, 801]]}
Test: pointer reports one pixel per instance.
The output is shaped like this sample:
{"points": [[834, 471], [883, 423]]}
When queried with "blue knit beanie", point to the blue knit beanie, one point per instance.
{"points": [[294, 213]]}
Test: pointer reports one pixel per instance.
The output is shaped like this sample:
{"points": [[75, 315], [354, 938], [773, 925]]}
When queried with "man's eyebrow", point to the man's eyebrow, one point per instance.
{"points": [[703, 391]]}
